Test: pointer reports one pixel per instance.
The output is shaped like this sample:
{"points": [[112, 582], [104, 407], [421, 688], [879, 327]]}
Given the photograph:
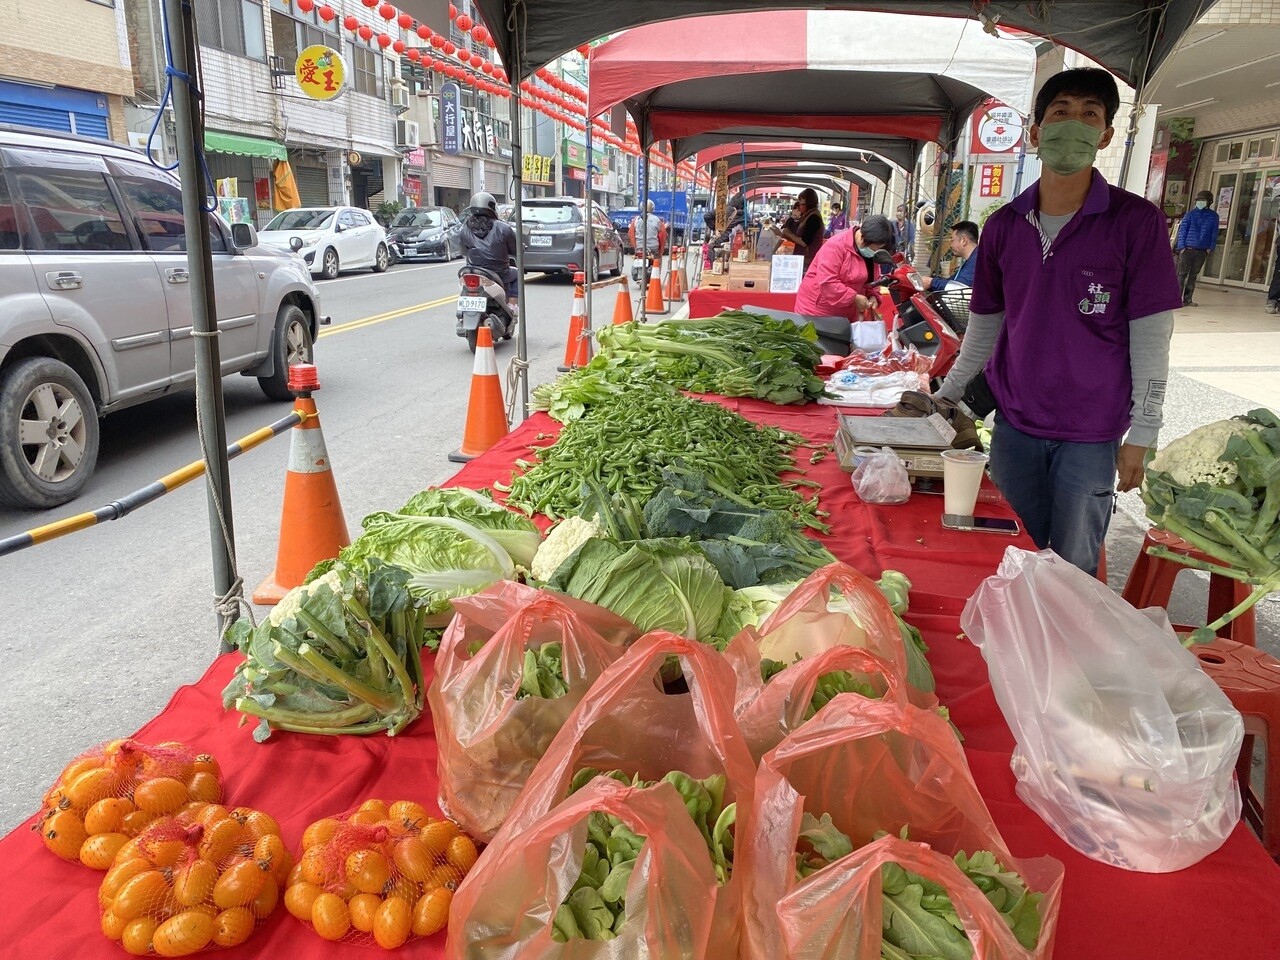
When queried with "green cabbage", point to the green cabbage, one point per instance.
{"points": [[749, 606]]}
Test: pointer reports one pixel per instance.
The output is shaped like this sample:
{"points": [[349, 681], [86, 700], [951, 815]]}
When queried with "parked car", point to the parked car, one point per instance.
{"points": [[330, 239], [421, 233], [554, 238], [95, 304]]}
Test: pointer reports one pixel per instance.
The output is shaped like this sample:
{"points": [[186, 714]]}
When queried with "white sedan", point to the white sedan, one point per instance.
{"points": [[330, 239]]}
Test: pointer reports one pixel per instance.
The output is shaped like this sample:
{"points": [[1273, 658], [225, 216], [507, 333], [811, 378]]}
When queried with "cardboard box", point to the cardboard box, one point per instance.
{"points": [[753, 275]]}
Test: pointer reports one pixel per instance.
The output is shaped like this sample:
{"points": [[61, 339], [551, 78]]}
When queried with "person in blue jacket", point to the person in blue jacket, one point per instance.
{"points": [[964, 244], [1197, 236]]}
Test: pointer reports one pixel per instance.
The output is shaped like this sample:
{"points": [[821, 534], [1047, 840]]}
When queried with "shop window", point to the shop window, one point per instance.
{"points": [[1237, 150], [72, 210], [1223, 150], [293, 36], [234, 26], [1267, 149], [367, 70]]}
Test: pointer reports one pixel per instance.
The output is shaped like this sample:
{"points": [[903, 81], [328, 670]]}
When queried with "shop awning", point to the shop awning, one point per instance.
{"points": [[243, 146]]}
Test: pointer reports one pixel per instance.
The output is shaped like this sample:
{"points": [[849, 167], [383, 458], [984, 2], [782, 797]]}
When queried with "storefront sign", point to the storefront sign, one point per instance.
{"points": [[536, 168], [996, 129], [477, 133], [573, 173], [722, 195], [642, 173], [416, 158], [262, 193], [320, 72], [575, 155], [450, 118], [991, 180]]}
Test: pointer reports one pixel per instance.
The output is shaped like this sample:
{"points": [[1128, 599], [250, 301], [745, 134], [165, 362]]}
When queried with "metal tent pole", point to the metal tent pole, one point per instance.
{"points": [[517, 199], [210, 415], [588, 237], [643, 252]]}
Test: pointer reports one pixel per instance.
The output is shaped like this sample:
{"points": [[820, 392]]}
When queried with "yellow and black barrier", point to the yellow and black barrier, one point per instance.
{"points": [[139, 498]]}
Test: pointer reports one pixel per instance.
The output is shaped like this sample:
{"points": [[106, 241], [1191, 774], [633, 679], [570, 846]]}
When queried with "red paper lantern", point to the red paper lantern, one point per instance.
{"points": [[448, 49], [585, 50], [384, 41], [480, 33], [350, 22], [437, 41], [487, 67], [462, 55], [465, 23], [415, 56], [453, 12], [424, 32], [369, 3], [366, 33], [405, 21], [477, 61], [306, 6], [327, 13], [387, 12], [398, 46], [490, 42]]}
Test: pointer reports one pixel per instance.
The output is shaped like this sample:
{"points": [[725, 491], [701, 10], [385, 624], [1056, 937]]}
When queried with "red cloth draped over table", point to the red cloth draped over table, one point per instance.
{"points": [[704, 302], [1223, 907]]}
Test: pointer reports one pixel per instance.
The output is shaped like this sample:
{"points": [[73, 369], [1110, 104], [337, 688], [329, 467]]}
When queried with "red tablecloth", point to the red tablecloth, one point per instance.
{"points": [[707, 303], [1223, 907]]}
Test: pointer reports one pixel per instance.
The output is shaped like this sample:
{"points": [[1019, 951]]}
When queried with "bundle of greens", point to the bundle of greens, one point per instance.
{"points": [[919, 919], [734, 354], [336, 655], [543, 674], [829, 685], [570, 395], [625, 442], [596, 906], [1218, 488], [895, 587], [452, 542]]}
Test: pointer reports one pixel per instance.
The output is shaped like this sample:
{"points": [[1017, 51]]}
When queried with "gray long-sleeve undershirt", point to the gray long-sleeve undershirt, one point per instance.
{"points": [[1148, 365]]}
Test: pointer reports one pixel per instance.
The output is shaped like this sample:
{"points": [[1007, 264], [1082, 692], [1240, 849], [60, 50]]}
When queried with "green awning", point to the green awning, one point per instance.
{"points": [[243, 146]]}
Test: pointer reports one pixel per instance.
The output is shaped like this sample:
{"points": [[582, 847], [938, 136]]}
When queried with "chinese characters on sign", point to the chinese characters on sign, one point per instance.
{"points": [[450, 118], [537, 168], [320, 72], [991, 181], [997, 129]]}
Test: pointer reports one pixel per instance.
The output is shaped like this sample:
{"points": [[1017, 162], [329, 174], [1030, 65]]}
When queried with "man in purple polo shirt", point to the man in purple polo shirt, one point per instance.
{"points": [[1072, 311]]}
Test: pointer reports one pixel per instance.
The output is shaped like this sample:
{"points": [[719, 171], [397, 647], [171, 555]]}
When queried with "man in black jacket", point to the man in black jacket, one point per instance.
{"points": [[490, 242]]}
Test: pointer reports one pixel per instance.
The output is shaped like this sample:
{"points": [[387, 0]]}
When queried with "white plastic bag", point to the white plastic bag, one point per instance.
{"points": [[1125, 747], [882, 479]]}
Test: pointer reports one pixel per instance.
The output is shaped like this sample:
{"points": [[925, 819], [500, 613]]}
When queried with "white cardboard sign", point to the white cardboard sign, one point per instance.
{"points": [[786, 274]]}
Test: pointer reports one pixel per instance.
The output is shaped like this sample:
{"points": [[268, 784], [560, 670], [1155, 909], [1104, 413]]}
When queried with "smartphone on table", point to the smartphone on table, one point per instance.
{"points": [[1005, 525]]}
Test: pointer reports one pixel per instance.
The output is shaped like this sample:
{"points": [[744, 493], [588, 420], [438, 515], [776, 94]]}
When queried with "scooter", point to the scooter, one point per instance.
{"points": [[902, 302], [483, 300]]}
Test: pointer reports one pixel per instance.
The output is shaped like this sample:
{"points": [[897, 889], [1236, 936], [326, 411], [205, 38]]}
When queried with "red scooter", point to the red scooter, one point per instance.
{"points": [[902, 302]]}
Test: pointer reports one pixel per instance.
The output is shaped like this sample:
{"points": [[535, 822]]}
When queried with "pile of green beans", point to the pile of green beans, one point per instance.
{"points": [[624, 443]]}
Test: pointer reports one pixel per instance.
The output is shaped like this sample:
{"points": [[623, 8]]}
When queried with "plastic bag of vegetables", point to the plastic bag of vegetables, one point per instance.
{"points": [[858, 769], [513, 664], [205, 879], [626, 723], [606, 874], [789, 695], [110, 794], [379, 874]]}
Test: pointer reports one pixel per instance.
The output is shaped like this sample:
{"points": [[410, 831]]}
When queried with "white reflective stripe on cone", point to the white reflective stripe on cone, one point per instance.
{"points": [[307, 452], [579, 306], [486, 364]]}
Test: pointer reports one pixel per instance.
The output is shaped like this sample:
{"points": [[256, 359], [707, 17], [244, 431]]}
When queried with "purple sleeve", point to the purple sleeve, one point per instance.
{"points": [[988, 278], [1151, 274]]}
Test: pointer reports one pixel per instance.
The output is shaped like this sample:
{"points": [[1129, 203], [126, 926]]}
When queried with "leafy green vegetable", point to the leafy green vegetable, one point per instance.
{"points": [[595, 908], [543, 674], [895, 587], [749, 606], [830, 685], [339, 654], [656, 584], [1218, 488]]}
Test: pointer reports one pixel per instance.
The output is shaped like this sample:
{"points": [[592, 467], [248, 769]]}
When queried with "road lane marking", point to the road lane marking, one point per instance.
{"points": [[390, 315], [366, 276]]}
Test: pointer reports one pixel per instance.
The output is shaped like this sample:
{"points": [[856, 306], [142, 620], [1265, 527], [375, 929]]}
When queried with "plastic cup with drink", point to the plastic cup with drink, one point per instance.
{"points": [[962, 472]]}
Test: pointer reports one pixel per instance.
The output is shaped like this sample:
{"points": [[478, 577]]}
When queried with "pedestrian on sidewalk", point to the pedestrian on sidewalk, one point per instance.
{"points": [[1073, 347], [1273, 291], [1197, 236], [904, 233]]}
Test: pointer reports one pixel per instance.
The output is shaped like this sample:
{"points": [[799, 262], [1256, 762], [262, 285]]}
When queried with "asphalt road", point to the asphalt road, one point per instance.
{"points": [[99, 628]]}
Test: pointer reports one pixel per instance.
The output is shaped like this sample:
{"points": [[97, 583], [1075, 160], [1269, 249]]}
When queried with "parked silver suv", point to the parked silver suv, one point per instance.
{"points": [[95, 304]]}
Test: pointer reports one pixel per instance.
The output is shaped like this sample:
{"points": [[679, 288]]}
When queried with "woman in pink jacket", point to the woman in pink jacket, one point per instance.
{"points": [[832, 286]]}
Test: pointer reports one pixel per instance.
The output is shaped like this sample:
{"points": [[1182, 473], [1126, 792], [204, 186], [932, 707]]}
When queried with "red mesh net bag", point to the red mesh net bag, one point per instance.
{"points": [[203, 880], [535, 899], [628, 725], [513, 664], [379, 874], [858, 770], [111, 793]]}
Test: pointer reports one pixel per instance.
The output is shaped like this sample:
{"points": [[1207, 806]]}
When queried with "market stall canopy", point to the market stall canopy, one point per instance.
{"points": [[1129, 37], [821, 71], [728, 143], [853, 162], [799, 169]]}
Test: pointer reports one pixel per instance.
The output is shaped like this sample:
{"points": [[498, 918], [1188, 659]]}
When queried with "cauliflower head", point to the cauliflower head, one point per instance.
{"points": [[292, 601], [564, 538], [1195, 458]]}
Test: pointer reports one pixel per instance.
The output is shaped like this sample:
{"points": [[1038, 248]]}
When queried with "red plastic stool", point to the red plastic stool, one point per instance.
{"points": [[1251, 681], [1150, 584]]}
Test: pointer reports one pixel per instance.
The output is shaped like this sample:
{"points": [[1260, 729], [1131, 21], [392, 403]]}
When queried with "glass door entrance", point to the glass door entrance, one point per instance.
{"points": [[1224, 194], [1262, 257], [1248, 208]]}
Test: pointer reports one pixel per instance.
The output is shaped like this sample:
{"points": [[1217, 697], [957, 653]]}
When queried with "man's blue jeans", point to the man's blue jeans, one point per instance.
{"points": [[1063, 492]]}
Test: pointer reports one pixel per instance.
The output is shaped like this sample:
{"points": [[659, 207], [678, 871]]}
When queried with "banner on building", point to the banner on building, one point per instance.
{"points": [[991, 180], [450, 118], [320, 72]]}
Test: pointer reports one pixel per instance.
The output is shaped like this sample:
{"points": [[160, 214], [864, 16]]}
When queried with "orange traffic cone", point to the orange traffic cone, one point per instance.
{"points": [[486, 413], [577, 347], [654, 302], [312, 527], [622, 312]]}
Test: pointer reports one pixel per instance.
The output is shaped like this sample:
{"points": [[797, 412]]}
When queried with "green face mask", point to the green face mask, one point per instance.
{"points": [[1068, 146]]}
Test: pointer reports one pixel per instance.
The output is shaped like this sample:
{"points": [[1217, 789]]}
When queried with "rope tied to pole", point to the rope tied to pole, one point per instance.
{"points": [[229, 606], [517, 372]]}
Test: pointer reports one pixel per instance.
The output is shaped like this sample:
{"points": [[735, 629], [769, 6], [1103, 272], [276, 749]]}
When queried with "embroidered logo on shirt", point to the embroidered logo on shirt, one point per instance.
{"points": [[1099, 303]]}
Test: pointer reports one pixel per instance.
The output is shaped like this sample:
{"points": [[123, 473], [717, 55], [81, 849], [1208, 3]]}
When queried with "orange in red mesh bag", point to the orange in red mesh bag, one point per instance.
{"points": [[111, 793], [794, 695], [513, 664], [202, 880], [835, 606], [514, 905], [379, 874], [627, 723], [859, 769]]}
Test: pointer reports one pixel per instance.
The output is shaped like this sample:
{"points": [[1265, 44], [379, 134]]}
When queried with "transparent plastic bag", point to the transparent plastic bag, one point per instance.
{"points": [[882, 479], [626, 722], [490, 728], [873, 766], [1125, 747], [505, 909]]}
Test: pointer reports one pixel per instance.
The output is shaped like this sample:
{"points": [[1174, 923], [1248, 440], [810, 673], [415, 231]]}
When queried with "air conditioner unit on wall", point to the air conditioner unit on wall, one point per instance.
{"points": [[407, 134], [400, 98]]}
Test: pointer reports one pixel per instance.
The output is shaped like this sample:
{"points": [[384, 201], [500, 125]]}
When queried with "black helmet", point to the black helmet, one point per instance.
{"points": [[484, 201]]}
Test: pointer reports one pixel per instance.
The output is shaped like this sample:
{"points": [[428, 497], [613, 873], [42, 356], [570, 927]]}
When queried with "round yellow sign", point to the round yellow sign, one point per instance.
{"points": [[320, 72]]}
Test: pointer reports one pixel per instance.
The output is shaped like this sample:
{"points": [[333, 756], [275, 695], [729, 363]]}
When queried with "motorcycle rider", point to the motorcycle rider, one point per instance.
{"points": [[490, 243]]}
